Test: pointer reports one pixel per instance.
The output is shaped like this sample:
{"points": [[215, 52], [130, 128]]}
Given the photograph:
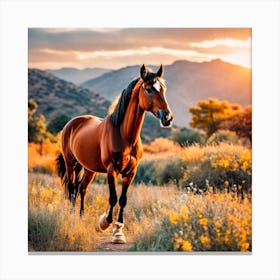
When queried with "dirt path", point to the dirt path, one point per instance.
{"points": [[105, 245]]}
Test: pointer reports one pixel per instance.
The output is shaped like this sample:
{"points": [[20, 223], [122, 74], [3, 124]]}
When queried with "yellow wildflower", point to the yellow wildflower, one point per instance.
{"points": [[244, 247], [187, 246], [184, 213], [205, 240], [173, 219], [203, 221], [218, 224]]}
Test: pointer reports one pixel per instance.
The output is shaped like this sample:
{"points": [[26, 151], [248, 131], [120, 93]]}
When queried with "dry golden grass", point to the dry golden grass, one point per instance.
{"points": [[157, 217]]}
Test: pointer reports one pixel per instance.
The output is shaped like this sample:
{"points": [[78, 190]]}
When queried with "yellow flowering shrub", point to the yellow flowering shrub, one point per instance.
{"points": [[215, 222], [219, 166]]}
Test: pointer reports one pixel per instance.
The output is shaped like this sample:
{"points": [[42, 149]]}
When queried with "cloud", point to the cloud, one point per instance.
{"points": [[121, 39], [88, 46], [227, 42]]}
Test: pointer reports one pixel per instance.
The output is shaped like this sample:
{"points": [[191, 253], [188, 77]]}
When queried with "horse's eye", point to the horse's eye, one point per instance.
{"points": [[149, 90]]}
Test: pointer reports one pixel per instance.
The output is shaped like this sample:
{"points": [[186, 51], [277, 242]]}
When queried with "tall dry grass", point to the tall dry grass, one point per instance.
{"points": [[157, 218], [161, 214]]}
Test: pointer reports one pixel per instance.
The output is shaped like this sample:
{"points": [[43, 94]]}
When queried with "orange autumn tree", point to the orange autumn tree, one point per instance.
{"points": [[208, 114], [240, 123]]}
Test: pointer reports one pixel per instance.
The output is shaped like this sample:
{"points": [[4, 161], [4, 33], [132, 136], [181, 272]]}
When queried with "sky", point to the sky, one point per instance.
{"points": [[113, 48]]}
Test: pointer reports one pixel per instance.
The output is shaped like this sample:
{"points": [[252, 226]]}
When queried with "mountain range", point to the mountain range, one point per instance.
{"points": [[187, 83], [55, 96], [77, 76]]}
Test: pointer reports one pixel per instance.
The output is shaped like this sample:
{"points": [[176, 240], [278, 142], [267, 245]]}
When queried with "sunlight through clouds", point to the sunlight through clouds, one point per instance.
{"points": [[227, 42], [141, 51]]}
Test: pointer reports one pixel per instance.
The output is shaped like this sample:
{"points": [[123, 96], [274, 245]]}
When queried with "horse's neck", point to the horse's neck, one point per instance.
{"points": [[132, 124]]}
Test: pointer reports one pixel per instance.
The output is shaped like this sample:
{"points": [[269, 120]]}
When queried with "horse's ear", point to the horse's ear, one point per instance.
{"points": [[160, 71], [143, 72]]}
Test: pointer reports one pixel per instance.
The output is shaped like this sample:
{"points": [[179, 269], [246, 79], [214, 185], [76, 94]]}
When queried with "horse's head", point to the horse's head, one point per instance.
{"points": [[152, 95]]}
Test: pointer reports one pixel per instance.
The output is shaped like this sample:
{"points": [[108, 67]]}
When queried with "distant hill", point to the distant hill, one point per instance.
{"points": [[55, 96], [187, 83], [77, 76]]}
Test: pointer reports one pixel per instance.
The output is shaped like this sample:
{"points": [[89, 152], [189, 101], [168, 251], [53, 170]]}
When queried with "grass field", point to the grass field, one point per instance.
{"points": [[157, 218], [195, 198]]}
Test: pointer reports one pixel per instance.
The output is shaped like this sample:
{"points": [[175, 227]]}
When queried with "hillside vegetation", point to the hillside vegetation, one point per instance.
{"points": [[55, 96]]}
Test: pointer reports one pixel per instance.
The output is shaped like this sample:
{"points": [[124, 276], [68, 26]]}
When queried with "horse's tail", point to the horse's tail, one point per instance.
{"points": [[60, 166], [61, 172]]}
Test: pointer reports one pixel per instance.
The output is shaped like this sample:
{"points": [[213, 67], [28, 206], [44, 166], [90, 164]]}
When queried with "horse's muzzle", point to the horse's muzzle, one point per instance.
{"points": [[165, 117]]}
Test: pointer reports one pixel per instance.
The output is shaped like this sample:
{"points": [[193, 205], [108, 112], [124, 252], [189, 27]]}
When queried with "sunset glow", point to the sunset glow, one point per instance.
{"points": [[115, 48]]}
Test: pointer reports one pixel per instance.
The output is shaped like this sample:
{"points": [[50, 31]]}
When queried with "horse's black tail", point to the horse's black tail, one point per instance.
{"points": [[60, 166], [61, 172], [71, 188]]}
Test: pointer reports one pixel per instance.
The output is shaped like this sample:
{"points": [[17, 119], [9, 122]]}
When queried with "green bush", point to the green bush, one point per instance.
{"points": [[223, 136], [185, 136], [159, 171]]}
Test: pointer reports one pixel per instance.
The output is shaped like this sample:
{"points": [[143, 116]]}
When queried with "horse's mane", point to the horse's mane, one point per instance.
{"points": [[119, 111]]}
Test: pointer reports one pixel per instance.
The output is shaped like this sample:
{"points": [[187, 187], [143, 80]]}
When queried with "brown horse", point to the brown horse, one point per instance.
{"points": [[112, 145]]}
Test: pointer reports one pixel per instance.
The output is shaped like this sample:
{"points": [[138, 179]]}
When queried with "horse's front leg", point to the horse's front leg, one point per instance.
{"points": [[107, 219], [118, 235]]}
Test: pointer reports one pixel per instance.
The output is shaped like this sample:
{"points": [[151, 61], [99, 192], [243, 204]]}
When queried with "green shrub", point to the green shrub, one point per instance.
{"points": [[160, 171], [185, 136], [223, 136]]}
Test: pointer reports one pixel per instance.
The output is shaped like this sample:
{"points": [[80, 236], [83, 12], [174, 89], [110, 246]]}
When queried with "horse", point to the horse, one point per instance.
{"points": [[111, 145]]}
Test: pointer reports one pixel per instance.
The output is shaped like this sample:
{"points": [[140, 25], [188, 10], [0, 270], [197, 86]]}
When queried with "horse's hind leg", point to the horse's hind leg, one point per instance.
{"points": [[87, 179], [71, 186]]}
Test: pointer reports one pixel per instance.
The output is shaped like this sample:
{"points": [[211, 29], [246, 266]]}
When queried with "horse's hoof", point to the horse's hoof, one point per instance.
{"points": [[103, 224], [118, 236], [119, 239]]}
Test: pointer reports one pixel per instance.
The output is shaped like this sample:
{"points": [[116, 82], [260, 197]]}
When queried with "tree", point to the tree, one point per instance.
{"points": [[57, 123], [37, 128], [240, 123], [209, 114]]}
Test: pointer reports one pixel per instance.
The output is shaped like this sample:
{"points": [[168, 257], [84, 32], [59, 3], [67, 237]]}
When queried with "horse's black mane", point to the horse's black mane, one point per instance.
{"points": [[118, 114]]}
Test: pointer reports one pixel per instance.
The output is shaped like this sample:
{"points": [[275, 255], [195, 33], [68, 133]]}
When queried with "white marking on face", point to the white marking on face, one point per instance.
{"points": [[157, 86]]}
